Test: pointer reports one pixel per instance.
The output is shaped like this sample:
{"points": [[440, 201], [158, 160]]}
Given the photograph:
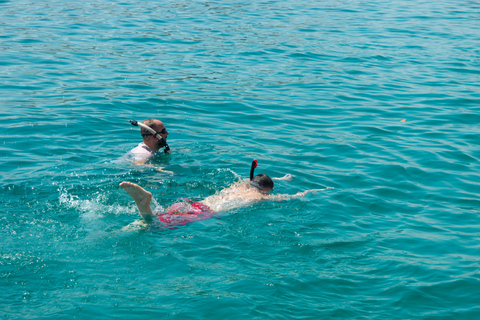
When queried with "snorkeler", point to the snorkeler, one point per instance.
{"points": [[154, 136], [240, 194]]}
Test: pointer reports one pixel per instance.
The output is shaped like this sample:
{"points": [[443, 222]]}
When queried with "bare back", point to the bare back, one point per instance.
{"points": [[237, 195]]}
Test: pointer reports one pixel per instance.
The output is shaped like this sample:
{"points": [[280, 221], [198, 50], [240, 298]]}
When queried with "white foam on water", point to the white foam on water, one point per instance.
{"points": [[95, 208]]}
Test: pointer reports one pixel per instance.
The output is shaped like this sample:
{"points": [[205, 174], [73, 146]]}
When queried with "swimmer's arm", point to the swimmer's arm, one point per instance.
{"points": [[287, 177], [159, 169], [280, 197]]}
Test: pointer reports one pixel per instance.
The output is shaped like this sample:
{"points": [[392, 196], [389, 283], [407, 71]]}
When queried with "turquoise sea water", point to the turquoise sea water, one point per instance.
{"points": [[317, 89]]}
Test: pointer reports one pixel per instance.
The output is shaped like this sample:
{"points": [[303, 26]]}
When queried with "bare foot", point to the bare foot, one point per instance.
{"points": [[141, 196]]}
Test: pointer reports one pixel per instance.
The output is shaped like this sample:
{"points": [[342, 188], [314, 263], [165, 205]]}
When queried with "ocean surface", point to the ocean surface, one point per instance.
{"points": [[378, 100]]}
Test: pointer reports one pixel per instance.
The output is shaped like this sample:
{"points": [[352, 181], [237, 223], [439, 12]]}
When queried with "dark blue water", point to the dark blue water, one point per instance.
{"points": [[378, 100]]}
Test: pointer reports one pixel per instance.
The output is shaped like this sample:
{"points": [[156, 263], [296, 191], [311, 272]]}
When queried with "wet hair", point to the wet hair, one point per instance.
{"points": [[150, 123], [260, 181]]}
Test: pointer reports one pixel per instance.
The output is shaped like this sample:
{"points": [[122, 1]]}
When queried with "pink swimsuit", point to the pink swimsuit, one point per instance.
{"points": [[181, 213]]}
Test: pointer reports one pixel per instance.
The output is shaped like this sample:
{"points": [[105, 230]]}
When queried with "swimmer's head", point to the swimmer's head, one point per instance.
{"points": [[154, 134], [261, 182]]}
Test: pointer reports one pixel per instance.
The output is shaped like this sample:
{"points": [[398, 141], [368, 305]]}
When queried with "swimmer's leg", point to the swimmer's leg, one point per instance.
{"points": [[141, 196]]}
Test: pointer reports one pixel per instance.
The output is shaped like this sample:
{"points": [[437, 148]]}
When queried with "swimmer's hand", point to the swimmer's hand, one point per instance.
{"points": [[287, 177], [160, 169], [313, 191]]}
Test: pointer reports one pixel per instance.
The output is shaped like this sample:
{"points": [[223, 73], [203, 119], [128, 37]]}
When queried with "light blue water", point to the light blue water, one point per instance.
{"points": [[316, 89]]}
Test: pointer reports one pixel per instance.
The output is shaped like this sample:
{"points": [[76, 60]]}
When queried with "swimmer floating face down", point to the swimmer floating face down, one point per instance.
{"points": [[236, 196]]}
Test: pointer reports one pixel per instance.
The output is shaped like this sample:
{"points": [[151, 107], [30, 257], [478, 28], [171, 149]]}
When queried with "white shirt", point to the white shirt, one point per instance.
{"points": [[141, 153]]}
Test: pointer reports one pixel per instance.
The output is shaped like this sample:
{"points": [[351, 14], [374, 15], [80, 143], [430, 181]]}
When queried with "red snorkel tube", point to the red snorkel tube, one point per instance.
{"points": [[254, 165]]}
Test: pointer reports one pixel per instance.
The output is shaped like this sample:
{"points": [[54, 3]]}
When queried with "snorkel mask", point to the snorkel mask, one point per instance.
{"points": [[161, 142]]}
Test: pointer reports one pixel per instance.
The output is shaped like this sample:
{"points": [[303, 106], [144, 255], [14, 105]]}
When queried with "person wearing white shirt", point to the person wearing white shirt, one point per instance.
{"points": [[151, 144]]}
